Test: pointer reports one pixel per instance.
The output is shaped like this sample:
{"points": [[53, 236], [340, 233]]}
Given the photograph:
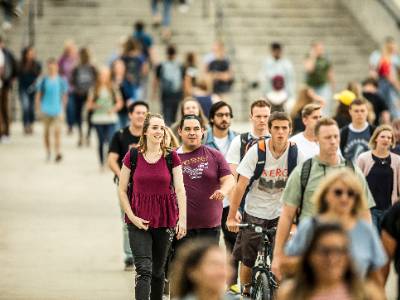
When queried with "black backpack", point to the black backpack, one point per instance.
{"points": [[133, 158], [305, 176]]}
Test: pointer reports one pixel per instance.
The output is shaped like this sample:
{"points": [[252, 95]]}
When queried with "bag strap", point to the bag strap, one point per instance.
{"points": [[343, 137], [304, 177], [349, 163], [244, 139], [134, 152], [170, 165], [292, 158]]}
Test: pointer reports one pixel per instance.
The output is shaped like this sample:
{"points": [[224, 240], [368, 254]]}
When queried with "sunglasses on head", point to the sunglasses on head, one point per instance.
{"points": [[339, 192]]}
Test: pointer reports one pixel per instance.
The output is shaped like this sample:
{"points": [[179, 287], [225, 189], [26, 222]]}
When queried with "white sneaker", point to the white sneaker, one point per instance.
{"points": [[5, 139]]}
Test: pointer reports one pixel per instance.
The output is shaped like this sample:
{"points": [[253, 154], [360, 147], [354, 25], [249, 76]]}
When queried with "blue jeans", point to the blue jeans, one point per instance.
{"points": [[28, 107], [104, 135], [377, 217], [166, 16], [70, 113]]}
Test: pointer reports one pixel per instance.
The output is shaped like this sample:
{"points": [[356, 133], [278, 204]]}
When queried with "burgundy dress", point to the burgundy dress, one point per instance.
{"points": [[153, 198]]}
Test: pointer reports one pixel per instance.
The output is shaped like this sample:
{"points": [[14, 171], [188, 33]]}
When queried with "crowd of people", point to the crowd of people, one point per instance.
{"points": [[323, 168]]}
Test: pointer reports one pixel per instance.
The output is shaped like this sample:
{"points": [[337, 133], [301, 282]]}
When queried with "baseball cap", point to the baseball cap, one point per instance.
{"points": [[345, 96]]}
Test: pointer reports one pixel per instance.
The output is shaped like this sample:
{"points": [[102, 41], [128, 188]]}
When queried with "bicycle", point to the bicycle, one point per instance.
{"points": [[263, 283]]}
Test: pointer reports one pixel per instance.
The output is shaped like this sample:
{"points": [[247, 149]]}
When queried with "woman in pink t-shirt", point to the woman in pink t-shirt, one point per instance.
{"points": [[156, 209]]}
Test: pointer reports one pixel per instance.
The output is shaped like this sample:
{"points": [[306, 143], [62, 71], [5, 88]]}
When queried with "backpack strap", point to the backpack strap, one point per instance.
{"points": [[292, 158], [168, 159], [134, 152], [261, 158], [304, 177], [344, 134], [244, 139]]}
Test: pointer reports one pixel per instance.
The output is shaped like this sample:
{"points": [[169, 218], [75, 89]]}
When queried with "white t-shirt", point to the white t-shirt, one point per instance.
{"points": [[307, 148], [233, 155], [263, 198], [222, 144]]}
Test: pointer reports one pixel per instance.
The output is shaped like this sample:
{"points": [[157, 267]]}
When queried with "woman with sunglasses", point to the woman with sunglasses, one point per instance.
{"points": [[380, 163], [340, 198], [326, 270], [156, 208]]}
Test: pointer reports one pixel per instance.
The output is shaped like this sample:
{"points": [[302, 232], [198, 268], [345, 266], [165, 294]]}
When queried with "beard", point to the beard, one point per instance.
{"points": [[222, 125]]}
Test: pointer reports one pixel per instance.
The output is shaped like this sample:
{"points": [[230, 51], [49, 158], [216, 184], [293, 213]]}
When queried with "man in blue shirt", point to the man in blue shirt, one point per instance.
{"points": [[51, 99]]}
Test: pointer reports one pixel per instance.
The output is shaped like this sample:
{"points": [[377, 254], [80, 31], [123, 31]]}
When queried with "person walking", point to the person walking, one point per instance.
{"points": [[306, 141], [121, 142], [169, 83], [83, 79], [207, 179], [340, 198], [105, 101], [264, 171], [377, 164], [28, 74], [304, 181], [154, 206], [50, 100], [326, 269]]}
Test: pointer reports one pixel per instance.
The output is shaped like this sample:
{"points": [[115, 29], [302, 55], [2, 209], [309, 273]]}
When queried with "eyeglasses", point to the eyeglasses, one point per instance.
{"points": [[339, 192], [221, 115], [327, 251]]}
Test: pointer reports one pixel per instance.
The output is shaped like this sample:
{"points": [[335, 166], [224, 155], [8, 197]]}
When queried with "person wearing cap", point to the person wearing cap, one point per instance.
{"points": [[342, 116], [354, 138]]}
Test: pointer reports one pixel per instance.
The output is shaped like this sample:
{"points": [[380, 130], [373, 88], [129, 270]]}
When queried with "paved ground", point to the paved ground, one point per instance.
{"points": [[59, 225]]}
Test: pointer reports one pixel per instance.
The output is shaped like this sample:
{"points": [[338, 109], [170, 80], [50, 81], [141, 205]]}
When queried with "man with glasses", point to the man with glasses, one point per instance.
{"points": [[207, 180]]}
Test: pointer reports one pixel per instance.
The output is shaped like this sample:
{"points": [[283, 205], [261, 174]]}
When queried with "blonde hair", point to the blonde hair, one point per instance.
{"points": [[377, 132], [174, 143], [143, 137], [349, 179]]}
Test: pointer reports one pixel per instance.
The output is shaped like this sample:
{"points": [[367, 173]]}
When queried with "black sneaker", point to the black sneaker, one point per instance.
{"points": [[58, 158]]}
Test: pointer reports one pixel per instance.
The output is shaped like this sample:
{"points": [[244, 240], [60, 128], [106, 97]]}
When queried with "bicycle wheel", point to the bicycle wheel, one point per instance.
{"points": [[262, 289]]}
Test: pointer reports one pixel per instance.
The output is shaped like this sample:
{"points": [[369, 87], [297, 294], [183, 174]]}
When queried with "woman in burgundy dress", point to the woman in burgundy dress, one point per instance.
{"points": [[156, 208]]}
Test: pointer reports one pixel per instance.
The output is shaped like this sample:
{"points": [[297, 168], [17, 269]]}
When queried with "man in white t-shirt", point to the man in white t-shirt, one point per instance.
{"points": [[306, 140], [263, 206]]}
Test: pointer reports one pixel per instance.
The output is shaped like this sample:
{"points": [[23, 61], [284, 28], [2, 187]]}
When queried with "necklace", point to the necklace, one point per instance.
{"points": [[152, 157]]}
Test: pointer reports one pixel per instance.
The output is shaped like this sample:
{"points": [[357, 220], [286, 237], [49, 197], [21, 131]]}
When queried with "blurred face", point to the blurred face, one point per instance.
{"points": [[104, 76], [212, 272], [259, 118], [384, 139], [52, 68], [30, 55], [358, 113], [391, 47], [119, 68], [328, 139], [191, 108], [340, 198], [318, 49], [138, 115], [155, 132], [280, 131], [276, 53], [329, 258], [311, 120], [222, 118], [191, 134]]}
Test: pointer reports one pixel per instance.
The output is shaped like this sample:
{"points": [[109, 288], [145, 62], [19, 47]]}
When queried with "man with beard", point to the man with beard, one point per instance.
{"points": [[219, 137]]}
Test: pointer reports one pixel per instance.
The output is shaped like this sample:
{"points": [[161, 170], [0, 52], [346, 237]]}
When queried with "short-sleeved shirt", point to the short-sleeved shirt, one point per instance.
{"points": [[53, 90], [122, 141], [307, 148], [263, 198], [153, 199], [202, 170], [365, 246], [319, 169], [357, 142], [233, 155], [319, 76]]}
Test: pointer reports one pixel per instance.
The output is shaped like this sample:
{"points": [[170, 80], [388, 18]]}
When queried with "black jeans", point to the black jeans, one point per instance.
{"points": [[150, 250], [170, 103], [210, 233]]}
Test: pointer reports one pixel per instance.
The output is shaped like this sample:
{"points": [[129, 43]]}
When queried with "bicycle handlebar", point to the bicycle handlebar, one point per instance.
{"points": [[258, 228]]}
